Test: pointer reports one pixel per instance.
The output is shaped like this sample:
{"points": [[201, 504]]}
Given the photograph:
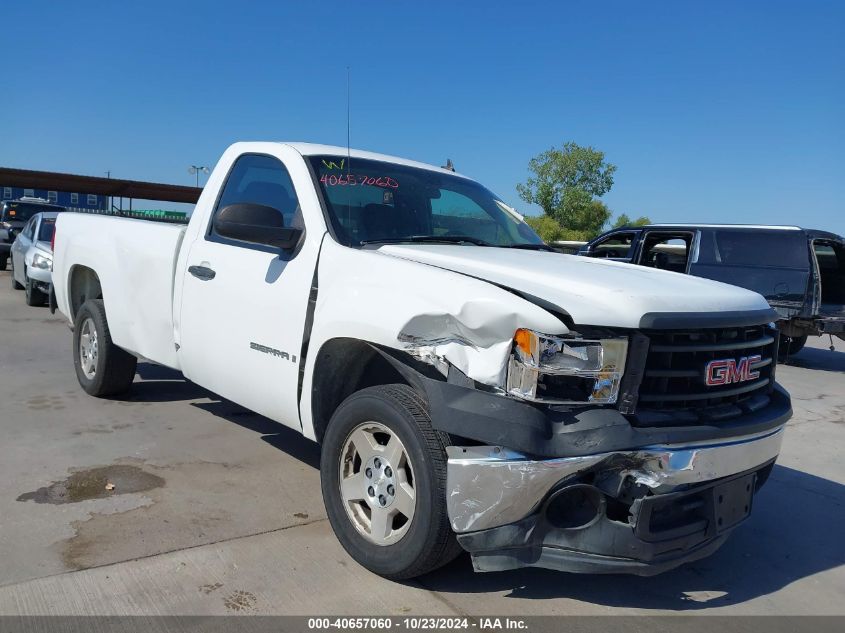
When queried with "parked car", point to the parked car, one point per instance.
{"points": [[13, 215], [470, 387], [801, 272], [32, 257]]}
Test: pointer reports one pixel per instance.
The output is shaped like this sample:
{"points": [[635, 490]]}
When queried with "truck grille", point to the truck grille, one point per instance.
{"points": [[678, 363]]}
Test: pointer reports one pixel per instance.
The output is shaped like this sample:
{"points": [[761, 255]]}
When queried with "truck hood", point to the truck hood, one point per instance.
{"points": [[592, 291]]}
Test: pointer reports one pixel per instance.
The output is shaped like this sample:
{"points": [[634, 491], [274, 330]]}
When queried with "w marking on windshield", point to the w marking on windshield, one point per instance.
{"points": [[333, 165]]}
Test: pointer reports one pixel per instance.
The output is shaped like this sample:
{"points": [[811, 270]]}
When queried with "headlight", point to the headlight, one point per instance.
{"points": [[42, 262], [563, 370]]}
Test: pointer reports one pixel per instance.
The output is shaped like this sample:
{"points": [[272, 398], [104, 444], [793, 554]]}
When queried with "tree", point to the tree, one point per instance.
{"points": [[565, 183], [546, 227], [624, 220], [590, 218], [550, 230]]}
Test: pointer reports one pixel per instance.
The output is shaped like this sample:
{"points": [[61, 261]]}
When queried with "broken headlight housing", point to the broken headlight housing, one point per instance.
{"points": [[566, 370]]}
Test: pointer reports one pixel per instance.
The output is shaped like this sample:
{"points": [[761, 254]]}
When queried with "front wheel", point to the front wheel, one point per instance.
{"points": [[15, 284], [790, 345], [34, 297], [383, 476], [102, 368]]}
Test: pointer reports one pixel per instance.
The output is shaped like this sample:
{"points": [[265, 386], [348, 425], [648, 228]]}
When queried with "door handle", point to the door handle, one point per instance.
{"points": [[202, 272]]}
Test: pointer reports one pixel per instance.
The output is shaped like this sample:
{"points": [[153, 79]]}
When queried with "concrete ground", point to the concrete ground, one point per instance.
{"points": [[217, 510]]}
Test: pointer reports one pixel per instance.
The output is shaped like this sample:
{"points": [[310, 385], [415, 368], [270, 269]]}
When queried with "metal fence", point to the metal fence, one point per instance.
{"points": [[156, 215]]}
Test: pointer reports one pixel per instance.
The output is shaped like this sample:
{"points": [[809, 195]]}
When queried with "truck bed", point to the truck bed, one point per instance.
{"points": [[134, 261]]}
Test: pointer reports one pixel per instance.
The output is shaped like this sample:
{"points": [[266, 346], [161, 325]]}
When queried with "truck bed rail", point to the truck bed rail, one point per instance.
{"points": [[154, 215]]}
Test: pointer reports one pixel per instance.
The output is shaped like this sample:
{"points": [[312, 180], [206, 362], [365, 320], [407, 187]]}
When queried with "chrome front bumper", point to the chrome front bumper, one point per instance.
{"points": [[490, 486]]}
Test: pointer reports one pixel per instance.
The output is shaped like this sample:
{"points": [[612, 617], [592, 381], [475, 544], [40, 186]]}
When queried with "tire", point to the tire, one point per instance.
{"points": [[15, 284], [413, 545], [102, 368], [3, 262], [790, 345], [34, 297]]}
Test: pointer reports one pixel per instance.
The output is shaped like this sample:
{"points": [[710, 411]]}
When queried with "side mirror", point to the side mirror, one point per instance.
{"points": [[256, 223]]}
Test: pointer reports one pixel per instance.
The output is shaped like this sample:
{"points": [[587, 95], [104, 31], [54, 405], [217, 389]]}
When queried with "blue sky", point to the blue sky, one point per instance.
{"points": [[713, 111]]}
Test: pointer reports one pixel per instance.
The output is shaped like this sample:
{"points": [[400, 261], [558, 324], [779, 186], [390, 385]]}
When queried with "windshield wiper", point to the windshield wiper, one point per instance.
{"points": [[435, 239]]}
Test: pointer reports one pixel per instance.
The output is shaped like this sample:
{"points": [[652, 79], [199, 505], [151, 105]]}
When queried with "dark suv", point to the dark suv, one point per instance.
{"points": [[13, 215], [801, 272]]}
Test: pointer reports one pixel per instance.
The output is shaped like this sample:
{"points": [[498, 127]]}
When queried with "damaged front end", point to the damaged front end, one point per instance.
{"points": [[640, 512], [597, 450]]}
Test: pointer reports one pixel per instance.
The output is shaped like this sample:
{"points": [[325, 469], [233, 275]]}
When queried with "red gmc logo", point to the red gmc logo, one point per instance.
{"points": [[727, 370]]}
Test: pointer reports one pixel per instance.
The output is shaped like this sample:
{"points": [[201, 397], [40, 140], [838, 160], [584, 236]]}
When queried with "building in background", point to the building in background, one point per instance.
{"points": [[74, 201]]}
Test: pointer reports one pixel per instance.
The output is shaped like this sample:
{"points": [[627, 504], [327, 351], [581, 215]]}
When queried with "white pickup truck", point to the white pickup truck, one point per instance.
{"points": [[470, 388]]}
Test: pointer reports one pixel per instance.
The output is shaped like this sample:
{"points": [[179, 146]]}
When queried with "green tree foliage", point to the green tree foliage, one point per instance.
{"points": [[546, 227], [550, 230], [565, 183], [624, 220]]}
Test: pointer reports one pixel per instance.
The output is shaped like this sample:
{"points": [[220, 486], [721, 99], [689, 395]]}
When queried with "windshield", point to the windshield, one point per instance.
{"points": [[22, 211], [373, 201], [46, 230]]}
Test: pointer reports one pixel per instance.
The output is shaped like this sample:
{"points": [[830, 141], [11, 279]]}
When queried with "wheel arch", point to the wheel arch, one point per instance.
{"points": [[83, 284], [343, 366]]}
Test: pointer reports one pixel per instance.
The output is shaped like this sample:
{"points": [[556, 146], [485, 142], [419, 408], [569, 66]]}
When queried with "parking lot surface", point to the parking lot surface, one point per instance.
{"points": [[216, 510]]}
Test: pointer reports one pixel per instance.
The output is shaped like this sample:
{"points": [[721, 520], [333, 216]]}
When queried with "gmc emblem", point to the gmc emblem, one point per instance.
{"points": [[727, 370]]}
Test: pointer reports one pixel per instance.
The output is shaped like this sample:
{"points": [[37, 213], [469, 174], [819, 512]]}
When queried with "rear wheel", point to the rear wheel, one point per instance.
{"points": [[102, 368], [790, 345], [383, 475], [3, 262], [34, 297]]}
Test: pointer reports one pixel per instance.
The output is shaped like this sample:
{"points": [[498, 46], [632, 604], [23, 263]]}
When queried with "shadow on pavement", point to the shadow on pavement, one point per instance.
{"points": [[276, 435], [820, 359], [794, 532], [162, 384]]}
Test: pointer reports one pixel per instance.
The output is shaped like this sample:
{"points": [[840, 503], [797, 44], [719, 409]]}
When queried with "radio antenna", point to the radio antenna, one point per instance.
{"points": [[348, 146], [348, 152]]}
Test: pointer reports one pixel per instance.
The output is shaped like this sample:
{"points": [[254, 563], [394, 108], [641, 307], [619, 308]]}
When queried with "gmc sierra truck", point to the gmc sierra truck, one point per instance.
{"points": [[471, 388]]}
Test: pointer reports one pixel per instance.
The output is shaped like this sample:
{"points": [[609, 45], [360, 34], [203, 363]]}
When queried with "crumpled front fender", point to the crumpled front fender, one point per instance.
{"points": [[438, 316]]}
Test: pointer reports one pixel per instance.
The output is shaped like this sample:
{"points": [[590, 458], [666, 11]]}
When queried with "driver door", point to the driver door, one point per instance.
{"points": [[244, 305]]}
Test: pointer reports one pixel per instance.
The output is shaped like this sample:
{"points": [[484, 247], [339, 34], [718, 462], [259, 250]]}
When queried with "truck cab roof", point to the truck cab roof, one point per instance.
{"points": [[316, 149], [811, 233]]}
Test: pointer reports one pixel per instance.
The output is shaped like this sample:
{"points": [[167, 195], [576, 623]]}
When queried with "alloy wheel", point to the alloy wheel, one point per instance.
{"points": [[377, 483]]}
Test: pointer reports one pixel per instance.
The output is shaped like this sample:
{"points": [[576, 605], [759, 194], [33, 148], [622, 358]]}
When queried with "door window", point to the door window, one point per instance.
{"points": [[831, 259], [759, 248], [826, 256], [29, 229], [615, 246], [259, 179], [666, 251]]}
